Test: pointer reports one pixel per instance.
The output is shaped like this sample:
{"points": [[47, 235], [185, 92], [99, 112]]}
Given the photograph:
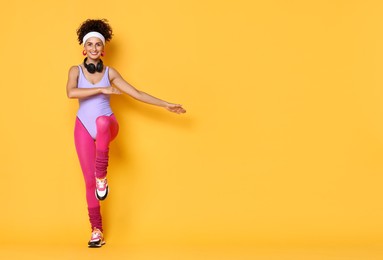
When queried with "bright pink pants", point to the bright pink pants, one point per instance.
{"points": [[94, 156]]}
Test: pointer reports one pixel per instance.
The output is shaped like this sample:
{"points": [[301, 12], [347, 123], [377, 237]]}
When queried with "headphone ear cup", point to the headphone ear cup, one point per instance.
{"points": [[100, 66], [91, 68]]}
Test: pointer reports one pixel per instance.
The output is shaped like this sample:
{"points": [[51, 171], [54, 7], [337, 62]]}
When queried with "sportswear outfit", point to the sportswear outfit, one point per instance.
{"points": [[95, 127]]}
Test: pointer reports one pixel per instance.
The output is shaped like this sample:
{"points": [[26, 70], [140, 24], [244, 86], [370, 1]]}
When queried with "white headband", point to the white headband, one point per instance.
{"points": [[93, 34]]}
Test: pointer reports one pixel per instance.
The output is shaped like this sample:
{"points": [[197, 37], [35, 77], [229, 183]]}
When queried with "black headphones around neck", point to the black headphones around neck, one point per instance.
{"points": [[91, 68]]}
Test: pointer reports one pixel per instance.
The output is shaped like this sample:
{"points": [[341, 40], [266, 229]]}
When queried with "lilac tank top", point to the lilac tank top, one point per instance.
{"points": [[94, 106]]}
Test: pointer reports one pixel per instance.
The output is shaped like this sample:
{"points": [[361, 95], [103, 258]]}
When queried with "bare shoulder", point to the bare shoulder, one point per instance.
{"points": [[72, 77], [112, 71], [73, 72], [113, 74], [73, 69]]}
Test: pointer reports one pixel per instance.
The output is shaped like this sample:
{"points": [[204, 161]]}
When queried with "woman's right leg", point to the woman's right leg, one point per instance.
{"points": [[86, 151]]}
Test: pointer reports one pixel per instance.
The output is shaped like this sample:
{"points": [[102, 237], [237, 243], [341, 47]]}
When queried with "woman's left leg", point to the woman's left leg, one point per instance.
{"points": [[107, 130]]}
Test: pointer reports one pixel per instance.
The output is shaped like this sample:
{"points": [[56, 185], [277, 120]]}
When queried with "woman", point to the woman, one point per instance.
{"points": [[92, 83]]}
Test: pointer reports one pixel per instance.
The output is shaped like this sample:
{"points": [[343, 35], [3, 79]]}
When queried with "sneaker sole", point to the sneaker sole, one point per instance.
{"points": [[106, 194], [96, 245]]}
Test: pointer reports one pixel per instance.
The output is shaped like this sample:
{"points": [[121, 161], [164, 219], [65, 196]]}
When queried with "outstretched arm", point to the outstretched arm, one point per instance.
{"points": [[117, 80], [74, 92]]}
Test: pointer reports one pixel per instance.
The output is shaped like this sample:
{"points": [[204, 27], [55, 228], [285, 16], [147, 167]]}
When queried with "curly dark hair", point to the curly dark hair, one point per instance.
{"points": [[95, 25]]}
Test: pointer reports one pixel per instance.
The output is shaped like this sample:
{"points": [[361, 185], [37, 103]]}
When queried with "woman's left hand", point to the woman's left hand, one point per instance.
{"points": [[175, 108]]}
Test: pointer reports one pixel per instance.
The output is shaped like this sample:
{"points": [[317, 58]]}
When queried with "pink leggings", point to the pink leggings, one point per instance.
{"points": [[93, 157]]}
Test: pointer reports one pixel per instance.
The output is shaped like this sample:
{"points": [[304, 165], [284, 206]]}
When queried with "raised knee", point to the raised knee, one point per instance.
{"points": [[102, 123]]}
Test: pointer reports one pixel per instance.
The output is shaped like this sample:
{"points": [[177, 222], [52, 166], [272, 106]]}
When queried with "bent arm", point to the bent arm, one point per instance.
{"points": [[73, 91], [125, 87]]}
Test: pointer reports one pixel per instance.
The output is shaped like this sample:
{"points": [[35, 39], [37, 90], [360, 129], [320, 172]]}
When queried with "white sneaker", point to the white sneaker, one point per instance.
{"points": [[102, 188], [97, 238]]}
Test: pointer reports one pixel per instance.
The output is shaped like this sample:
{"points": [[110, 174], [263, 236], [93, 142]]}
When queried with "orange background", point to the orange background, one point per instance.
{"points": [[281, 145]]}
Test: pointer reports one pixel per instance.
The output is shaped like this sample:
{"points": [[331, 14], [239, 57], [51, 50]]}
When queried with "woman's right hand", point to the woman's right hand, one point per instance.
{"points": [[110, 91]]}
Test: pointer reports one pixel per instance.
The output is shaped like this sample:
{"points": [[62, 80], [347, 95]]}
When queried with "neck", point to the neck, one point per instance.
{"points": [[90, 60]]}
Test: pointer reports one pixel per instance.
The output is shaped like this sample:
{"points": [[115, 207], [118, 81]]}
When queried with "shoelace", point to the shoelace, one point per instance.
{"points": [[101, 183], [96, 234]]}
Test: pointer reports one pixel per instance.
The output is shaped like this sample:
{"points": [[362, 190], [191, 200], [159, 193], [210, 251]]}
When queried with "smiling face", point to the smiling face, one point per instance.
{"points": [[94, 47]]}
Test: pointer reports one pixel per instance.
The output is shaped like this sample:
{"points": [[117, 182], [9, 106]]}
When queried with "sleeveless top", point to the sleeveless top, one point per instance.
{"points": [[93, 106]]}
